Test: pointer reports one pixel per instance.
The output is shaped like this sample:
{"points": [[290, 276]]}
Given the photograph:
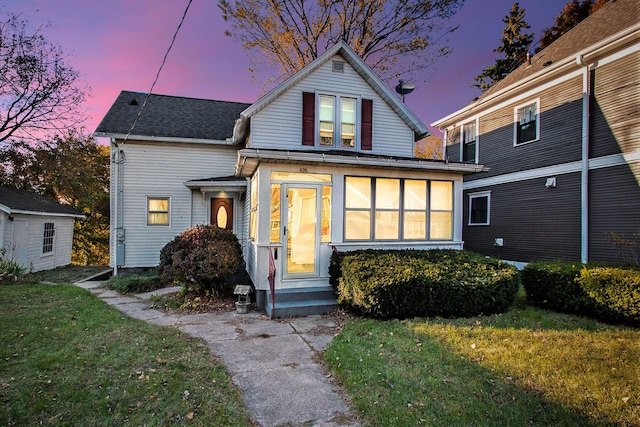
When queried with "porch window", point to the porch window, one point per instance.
{"points": [[274, 222], [441, 210], [48, 235], [157, 211], [401, 209], [387, 209], [415, 210], [527, 124]]}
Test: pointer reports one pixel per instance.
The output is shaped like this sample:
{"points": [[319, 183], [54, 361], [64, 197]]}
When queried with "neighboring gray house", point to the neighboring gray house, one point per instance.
{"points": [[322, 162], [561, 137], [35, 232]]}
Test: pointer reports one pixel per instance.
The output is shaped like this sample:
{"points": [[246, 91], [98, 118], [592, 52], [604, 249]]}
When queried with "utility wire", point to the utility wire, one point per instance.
{"points": [[120, 158]]}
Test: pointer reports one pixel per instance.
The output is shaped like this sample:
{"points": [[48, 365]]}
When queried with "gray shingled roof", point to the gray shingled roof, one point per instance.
{"points": [[170, 117], [612, 18], [22, 201]]}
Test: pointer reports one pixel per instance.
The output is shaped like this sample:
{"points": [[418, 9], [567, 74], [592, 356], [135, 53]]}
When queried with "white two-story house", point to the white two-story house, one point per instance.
{"points": [[323, 162]]}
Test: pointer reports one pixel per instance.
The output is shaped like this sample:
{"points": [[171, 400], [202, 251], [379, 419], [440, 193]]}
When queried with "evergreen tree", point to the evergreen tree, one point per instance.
{"points": [[573, 13], [515, 46]]}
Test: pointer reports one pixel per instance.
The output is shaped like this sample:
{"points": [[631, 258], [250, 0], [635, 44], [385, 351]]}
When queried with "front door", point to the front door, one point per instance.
{"points": [[302, 232], [222, 213]]}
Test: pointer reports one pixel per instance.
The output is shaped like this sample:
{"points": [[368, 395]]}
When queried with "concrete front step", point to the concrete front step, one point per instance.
{"points": [[302, 302]]}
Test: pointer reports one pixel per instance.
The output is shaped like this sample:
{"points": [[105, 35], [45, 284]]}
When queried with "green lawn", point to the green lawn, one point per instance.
{"points": [[525, 367], [67, 358]]}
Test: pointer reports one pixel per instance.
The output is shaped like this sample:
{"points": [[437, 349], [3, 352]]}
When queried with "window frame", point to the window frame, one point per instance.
{"points": [[478, 195], [168, 211], [516, 122], [337, 120], [464, 143], [48, 238], [372, 210]]}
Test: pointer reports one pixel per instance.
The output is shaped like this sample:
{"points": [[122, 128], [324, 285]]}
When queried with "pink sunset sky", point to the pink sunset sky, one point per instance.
{"points": [[119, 45]]}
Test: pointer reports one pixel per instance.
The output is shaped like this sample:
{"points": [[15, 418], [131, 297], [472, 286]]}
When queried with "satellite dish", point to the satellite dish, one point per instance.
{"points": [[404, 88]]}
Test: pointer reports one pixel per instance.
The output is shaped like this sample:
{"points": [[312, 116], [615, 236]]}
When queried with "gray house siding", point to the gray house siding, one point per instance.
{"points": [[560, 133], [614, 108], [535, 222], [614, 197]]}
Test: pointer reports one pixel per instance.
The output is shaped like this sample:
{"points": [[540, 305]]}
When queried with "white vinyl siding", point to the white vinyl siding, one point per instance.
{"points": [[162, 169], [24, 239], [279, 125]]}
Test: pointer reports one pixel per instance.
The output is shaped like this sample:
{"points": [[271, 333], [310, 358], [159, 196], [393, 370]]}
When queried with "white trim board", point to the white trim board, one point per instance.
{"points": [[564, 168]]}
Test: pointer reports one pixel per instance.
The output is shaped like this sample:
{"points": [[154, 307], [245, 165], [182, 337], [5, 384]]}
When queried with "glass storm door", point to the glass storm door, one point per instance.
{"points": [[301, 233]]}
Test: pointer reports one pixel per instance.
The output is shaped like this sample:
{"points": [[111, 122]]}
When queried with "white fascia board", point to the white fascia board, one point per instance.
{"points": [[561, 169], [66, 215], [147, 138], [335, 159], [5, 209]]}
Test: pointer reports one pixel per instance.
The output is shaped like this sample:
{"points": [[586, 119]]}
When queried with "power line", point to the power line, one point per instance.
{"points": [[120, 158]]}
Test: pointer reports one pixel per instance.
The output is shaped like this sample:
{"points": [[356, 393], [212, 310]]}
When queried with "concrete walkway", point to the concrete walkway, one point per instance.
{"points": [[274, 363]]}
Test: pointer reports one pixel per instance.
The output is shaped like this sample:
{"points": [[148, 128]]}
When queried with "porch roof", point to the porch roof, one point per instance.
{"points": [[250, 158], [228, 184]]}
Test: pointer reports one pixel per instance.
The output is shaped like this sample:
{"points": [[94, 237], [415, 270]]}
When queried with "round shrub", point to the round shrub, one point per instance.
{"points": [[200, 259], [616, 289], [410, 283]]}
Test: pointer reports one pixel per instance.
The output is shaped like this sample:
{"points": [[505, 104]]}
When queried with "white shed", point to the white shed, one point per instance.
{"points": [[35, 231]]}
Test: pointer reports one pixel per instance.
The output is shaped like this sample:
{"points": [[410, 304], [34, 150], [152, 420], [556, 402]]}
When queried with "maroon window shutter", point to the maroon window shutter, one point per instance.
{"points": [[308, 118], [366, 128]]}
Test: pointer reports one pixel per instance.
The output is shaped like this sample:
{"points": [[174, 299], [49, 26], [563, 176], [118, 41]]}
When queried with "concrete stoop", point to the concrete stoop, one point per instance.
{"points": [[301, 302]]}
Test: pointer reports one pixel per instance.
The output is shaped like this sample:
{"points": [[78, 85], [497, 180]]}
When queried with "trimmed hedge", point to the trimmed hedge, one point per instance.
{"points": [[414, 283], [617, 289], [200, 259], [606, 293]]}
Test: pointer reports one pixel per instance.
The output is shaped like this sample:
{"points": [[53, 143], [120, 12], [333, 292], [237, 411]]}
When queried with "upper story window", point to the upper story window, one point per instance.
{"points": [[527, 123], [337, 121], [47, 238], [341, 121], [469, 142], [157, 211]]}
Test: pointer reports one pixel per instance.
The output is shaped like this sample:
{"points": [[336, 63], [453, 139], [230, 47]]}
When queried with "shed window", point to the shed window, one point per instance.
{"points": [[48, 235]]}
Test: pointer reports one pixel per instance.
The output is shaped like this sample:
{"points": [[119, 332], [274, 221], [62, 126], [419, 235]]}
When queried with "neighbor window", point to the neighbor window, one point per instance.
{"points": [[337, 110], [398, 209], [469, 138], [48, 235], [527, 124], [157, 211], [479, 208]]}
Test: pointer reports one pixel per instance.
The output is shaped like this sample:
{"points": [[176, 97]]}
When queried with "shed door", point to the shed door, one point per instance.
{"points": [[21, 243], [222, 213]]}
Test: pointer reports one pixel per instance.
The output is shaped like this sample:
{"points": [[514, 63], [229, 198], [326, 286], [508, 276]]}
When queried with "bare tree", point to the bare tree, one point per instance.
{"points": [[39, 92], [393, 37]]}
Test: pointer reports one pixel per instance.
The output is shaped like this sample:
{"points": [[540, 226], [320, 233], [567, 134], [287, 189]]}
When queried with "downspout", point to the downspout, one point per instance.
{"points": [[584, 181]]}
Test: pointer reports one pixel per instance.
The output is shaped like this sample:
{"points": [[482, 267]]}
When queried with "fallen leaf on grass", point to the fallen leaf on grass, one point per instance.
{"points": [[190, 416]]}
